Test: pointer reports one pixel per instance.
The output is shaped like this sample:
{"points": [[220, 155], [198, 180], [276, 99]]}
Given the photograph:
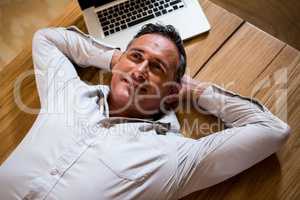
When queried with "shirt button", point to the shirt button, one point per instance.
{"points": [[54, 172]]}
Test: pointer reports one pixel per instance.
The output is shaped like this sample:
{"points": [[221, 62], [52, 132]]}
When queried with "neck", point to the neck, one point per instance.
{"points": [[113, 107], [114, 110]]}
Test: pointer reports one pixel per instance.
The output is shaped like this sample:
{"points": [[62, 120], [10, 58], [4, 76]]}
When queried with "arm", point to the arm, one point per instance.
{"points": [[253, 134], [53, 47]]}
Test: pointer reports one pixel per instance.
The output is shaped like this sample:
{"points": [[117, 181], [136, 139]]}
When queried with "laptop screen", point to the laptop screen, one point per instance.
{"points": [[98, 3], [89, 3]]}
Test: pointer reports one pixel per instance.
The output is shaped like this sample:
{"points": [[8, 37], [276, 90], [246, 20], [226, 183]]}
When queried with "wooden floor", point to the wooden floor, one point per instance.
{"points": [[280, 18], [20, 19], [234, 54]]}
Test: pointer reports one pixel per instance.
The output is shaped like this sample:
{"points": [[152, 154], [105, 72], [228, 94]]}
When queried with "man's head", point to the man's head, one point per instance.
{"points": [[148, 71]]}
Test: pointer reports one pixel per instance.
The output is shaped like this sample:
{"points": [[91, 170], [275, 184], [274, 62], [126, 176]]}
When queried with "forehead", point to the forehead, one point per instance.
{"points": [[158, 46]]}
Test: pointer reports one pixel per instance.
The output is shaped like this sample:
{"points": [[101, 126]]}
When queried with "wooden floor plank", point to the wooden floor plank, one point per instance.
{"points": [[200, 49], [247, 54], [279, 18]]}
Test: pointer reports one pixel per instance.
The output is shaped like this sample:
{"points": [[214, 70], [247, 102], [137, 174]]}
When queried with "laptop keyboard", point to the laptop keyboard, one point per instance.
{"points": [[132, 12]]}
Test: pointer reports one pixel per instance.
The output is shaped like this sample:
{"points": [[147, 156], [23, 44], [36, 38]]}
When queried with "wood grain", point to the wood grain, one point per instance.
{"points": [[233, 52], [201, 48], [233, 66], [269, 70], [199, 51], [243, 57], [277, 176], [14, 123], [280, 18]]}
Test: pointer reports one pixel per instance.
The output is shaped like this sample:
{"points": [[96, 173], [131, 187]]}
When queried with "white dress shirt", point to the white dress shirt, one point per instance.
{"points": [[67, 154]]}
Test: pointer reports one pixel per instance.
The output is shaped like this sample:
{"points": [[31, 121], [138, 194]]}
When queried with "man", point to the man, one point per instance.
{"points": [[122, 142]]}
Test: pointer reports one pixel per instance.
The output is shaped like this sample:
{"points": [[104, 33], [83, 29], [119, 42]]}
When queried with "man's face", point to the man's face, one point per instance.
{"points": [[144, 75]]}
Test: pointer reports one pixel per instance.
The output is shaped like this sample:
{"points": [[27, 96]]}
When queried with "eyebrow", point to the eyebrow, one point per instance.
{"points": [[157, 59]]}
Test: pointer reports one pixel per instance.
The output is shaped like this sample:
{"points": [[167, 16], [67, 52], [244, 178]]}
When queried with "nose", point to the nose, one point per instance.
{"points": [[143, 66], [140, 75]]}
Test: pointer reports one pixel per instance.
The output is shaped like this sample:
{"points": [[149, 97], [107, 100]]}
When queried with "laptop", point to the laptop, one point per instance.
{"points": [[116, 21]]}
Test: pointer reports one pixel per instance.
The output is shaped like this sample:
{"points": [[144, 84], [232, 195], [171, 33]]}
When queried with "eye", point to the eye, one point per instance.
{"points": [[156, 68], [135, 56]]}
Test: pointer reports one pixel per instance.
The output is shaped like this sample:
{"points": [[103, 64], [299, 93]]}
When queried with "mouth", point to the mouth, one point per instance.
{"points": [[135, 84]]}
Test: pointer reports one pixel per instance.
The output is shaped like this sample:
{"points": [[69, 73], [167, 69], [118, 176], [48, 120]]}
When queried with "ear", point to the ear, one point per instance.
{"points": [[116, 57]]}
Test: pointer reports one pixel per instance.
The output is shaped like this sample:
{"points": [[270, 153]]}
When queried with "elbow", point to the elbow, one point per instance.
{"points": [[285, 132], [39, 34], [38, 38], [38, 42], [41, 41], [282, 132], [44, 34], [277, 131]]}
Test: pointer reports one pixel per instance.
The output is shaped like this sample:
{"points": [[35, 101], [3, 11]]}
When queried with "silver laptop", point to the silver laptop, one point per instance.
{"points": [[117, 21]]}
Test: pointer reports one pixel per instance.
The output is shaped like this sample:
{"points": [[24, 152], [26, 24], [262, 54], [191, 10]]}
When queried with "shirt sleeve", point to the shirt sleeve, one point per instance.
{"points": [[252, 134], [54, 50]]}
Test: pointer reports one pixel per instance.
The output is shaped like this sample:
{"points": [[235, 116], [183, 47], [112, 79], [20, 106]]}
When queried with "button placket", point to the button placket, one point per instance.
{"points": [[42, 185], [67, 159]]}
